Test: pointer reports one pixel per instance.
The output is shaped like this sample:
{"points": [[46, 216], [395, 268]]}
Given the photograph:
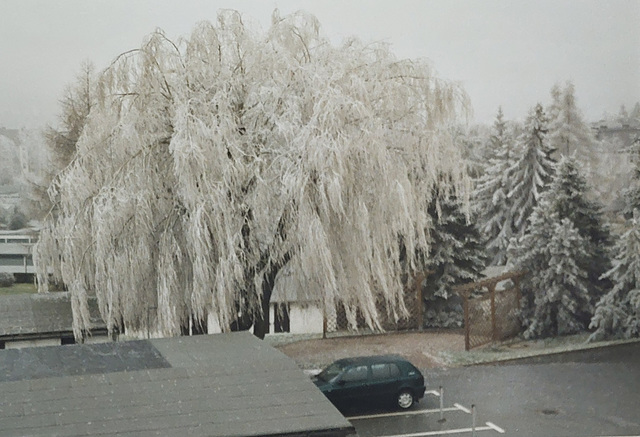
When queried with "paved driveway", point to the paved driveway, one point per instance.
{"points": [[593, 393]]}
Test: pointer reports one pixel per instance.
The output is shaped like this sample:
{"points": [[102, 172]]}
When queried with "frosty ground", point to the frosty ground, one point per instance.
{"points": [[427, 349]]}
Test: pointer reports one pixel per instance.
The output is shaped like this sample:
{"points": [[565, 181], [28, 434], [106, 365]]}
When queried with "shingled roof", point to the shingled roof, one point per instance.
{"points": [[24, 315], [214, 385]]}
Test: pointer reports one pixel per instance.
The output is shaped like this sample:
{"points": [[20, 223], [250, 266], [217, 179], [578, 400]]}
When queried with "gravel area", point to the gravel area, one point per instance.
{"points": [[427, 350], [424, 349]]}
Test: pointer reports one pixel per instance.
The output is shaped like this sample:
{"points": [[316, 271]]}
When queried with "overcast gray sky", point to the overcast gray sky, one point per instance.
{"points": [[505, 52]]}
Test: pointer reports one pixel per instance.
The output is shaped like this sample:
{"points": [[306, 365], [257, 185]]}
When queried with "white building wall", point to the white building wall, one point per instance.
{"points": [[213, 323], [305, 319], [94, 339]]}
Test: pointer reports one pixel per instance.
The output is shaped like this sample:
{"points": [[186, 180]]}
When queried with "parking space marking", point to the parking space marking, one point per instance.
{"points": [[402, 413], [445, 432], [496, 427], [460, 407], [456, 407]]}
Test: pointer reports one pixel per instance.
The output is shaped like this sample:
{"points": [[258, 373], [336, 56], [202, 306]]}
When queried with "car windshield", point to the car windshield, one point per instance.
{"points": [[330, 372]]}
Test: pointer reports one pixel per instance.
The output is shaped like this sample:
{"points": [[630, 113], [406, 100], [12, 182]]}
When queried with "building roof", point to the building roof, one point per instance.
{"points": [[24, 315], [216, 385]]}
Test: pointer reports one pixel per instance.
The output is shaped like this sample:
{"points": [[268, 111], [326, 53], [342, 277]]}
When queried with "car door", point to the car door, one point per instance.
{"points": [[384, 382], [352, 385]]}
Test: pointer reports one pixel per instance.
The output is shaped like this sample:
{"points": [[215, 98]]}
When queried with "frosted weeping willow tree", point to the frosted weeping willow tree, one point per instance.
{"points": [[207, 165]]}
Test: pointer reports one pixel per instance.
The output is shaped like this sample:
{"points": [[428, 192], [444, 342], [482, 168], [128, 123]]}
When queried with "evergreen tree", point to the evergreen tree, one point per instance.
{"points": [[635, 113], [556, 290], [568, 132], [456, 256], [569, 195], [618, 312], [491, 193], [631, 194], [549, 252], [623, 114], [555, 107], [563, 305], [531, 174]]}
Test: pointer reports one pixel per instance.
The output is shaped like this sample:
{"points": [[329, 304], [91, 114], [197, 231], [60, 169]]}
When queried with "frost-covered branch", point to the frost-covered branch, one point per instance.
{"points": [[240, 154]]}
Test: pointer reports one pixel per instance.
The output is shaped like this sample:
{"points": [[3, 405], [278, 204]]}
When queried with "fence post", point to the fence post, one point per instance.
{"points": [[419, 279], [494, 328], [473, 420], [467, 327], [324, 319], [442, 419]]}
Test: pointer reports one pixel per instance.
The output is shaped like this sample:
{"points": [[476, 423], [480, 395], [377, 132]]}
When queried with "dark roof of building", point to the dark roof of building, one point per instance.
{"points": [[214, 385], [41, 313]]}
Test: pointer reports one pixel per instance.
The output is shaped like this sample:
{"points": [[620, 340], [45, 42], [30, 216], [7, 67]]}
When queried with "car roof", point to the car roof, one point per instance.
{"points": [[370, 359]]}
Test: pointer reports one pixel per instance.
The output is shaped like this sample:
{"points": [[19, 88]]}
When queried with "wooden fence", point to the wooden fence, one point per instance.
{"points": [[491, 315], [337, 321]]}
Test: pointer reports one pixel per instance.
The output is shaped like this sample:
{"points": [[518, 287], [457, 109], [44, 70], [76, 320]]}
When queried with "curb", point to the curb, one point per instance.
{"points": [[546, 353]]}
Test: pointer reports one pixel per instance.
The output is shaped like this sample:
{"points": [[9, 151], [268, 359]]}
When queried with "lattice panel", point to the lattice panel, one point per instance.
{"points": [[337, 319], [507, 317]]}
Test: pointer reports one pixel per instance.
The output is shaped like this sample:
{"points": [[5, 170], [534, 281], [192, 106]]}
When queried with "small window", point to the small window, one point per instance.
{"points": [[355, 374], [395, 370]]}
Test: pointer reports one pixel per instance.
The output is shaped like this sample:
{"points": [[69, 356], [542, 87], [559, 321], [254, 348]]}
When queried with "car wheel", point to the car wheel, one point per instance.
{"points": [[404, 399]]}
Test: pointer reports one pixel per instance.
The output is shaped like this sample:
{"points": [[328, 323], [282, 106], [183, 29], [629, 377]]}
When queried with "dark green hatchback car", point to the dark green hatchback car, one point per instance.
{"points": [[374, 378]]}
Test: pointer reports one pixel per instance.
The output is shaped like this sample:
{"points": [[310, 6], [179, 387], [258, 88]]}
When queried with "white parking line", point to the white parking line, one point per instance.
{"points": [[445, 432], [402, 413], [460, 407], [496, 427]]}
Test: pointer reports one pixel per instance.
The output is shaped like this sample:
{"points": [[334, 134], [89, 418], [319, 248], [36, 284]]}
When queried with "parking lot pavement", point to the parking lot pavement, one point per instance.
{"points": [[586, 394], [423, 420]]}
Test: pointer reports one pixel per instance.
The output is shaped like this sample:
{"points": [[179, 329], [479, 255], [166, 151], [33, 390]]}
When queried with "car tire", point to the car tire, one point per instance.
{"points": [[404, 400]]}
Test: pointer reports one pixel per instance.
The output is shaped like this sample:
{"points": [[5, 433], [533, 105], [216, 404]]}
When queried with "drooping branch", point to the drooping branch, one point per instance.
{"points": [[242, 154]]}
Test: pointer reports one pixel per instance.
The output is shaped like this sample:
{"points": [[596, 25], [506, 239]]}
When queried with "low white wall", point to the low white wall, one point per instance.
{"points": [[94, 339], [32, 343]]}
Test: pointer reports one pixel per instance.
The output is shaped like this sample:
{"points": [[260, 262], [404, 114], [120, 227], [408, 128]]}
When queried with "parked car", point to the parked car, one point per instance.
{"points": [[373, 378]]}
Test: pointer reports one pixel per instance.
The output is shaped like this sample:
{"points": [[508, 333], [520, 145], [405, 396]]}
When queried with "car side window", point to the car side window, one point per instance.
{"points": [[394, 369], [355, 374], [380, 371], [385, 371]]}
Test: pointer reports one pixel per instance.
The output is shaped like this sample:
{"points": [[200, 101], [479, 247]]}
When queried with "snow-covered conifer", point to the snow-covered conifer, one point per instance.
{"points": [[635, 112], [456, 256], [531, 174], [568, 132], [617, 313], [555, 290], [491, 199], [207, 165], [562, 303], [570, 198], [631, 194], [566, 201]]}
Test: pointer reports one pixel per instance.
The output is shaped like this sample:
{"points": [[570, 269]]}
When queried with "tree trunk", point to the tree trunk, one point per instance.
{"points": [[261, 326]]}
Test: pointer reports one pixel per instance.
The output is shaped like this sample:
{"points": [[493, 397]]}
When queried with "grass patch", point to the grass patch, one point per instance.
{"points": [[18, 288]]}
